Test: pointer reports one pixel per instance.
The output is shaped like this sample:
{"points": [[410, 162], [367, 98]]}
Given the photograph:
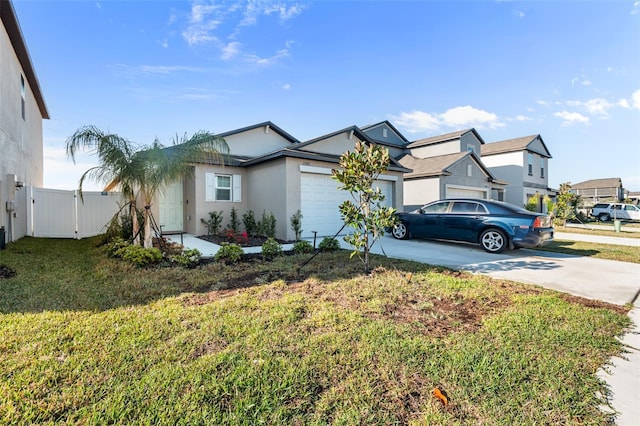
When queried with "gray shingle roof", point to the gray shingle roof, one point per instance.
{"points": [[598, 183], [512, 145], [432, 166], [444, 138]]}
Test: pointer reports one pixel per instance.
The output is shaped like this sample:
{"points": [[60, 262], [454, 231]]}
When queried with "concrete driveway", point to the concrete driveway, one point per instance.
{"points": [[607, 280]]}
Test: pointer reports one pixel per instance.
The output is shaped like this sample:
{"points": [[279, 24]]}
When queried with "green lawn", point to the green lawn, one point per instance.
{"points": [[90, 340]]}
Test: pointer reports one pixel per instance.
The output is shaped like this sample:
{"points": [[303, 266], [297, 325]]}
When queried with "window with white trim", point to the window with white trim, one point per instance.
{"points": [[469, 170], [223, 187], [530, 164], [542, 167]]}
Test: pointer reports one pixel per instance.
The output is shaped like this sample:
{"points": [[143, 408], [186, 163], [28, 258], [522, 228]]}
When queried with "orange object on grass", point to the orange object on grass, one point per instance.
{"points": [[441, 395]]}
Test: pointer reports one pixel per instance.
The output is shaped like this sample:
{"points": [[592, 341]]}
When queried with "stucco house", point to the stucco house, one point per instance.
{"points": [[595, 190], [269, 170], [22, 110], [447, 166], [524, 163]]}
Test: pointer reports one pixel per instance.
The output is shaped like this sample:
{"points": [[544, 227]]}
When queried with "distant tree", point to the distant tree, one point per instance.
{"points": [[566, 204], [364, 213], [143, 171]]}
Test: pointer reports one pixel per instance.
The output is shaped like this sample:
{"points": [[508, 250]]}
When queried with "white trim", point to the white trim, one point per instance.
{"points": [[327, 171]]}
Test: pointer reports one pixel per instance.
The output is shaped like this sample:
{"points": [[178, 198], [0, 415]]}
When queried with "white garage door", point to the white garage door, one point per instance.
{"points": [[320, 199], [465, 193]]}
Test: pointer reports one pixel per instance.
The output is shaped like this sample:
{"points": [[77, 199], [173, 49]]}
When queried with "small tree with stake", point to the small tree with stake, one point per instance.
{"points": [[365, 214]]}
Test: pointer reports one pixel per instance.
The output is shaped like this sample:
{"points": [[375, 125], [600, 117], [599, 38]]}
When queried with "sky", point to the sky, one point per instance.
{"points": [[145, 70]]}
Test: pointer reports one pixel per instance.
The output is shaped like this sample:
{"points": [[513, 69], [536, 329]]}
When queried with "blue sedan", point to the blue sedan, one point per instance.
{"points": [[493, 224]]}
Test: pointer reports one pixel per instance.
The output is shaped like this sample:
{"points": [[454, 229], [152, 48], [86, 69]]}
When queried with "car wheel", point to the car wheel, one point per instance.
{"points": [[604, 217], [400, 231], [493, 240]]}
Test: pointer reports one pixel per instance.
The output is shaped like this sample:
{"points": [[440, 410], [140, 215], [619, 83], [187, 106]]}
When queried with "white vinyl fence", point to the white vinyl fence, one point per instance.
{"points": [[56, 213]]}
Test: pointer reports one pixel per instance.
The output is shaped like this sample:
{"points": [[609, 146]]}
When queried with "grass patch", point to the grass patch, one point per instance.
{"points": [[604, 232], [629, 254], [91, 340]]}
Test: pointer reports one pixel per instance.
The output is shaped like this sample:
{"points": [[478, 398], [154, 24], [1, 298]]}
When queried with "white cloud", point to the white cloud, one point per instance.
{"points": [[165, 69], [286, 86], [468, 116], [417, 121], [636, 8], [230, 51], [623, 103], [212, 22], [458, 117], [521, 117], [519, 13], [266, 62], [570, 118], [635, 99]]}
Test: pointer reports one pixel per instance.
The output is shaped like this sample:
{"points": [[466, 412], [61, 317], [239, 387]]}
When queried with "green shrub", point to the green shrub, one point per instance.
{"points": [[234, 224], [139, 255], [229, 253], [302, 246], [214, 222], [114, 246], [267, 225], [188, 258], [329, 244], [271, 249], [296, 224], [249, 222]]}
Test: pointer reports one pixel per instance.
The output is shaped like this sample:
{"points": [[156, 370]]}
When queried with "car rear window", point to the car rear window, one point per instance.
{"points": [[601, 206]]}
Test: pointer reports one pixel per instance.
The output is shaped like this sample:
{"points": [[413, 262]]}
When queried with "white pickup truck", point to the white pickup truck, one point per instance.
{"points": [[608, 211]]}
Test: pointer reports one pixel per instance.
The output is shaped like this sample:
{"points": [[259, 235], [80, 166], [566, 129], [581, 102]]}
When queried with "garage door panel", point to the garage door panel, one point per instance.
{"points": [[320, 199], [465, 193]]}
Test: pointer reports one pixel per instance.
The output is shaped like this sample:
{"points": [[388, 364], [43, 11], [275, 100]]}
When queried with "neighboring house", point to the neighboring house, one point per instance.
{"points": [[524, 164], [447, 166], [22, 109], [270, 171], [595, 190]]}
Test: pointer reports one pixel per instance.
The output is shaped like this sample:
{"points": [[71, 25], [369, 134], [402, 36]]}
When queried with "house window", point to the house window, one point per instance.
{"points": [[384, 133], [542, 167], [469, 170], [22, 96], [530, 168], [221, 187]]}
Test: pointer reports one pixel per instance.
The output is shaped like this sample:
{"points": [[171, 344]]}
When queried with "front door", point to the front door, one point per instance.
{"points": [[170, 208]]}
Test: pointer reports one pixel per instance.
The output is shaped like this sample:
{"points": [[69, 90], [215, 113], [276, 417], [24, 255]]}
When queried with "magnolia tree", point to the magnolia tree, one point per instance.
{"points": [[364, 212]]}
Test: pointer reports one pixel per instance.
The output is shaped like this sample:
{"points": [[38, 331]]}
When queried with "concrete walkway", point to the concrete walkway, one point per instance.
{"points": [[606, 280]]}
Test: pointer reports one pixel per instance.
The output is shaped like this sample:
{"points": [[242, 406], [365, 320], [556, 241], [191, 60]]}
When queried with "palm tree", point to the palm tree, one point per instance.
{"points": [[115, 168], [143, 171]]}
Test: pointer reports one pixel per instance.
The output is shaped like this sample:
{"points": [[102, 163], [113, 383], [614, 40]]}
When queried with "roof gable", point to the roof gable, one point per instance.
{"points": [[447, 137], [533, 143], [376, 132], [440, 165]]}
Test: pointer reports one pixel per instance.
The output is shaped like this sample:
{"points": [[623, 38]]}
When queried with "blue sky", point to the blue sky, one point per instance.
{"points": [[567, 70]]}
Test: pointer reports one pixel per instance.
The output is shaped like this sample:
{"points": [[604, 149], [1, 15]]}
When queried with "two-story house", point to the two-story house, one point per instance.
{"points": [[444, 166], [22, 109], [524, 163]]}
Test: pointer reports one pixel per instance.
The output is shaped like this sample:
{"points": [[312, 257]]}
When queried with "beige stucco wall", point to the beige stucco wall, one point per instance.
{"points": [[435, 150], [20, 139], [256, 142]]}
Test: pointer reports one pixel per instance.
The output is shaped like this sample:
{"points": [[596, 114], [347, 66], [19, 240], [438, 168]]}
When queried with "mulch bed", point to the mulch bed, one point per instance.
{"points": [[248, 242], [6, 272]]}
